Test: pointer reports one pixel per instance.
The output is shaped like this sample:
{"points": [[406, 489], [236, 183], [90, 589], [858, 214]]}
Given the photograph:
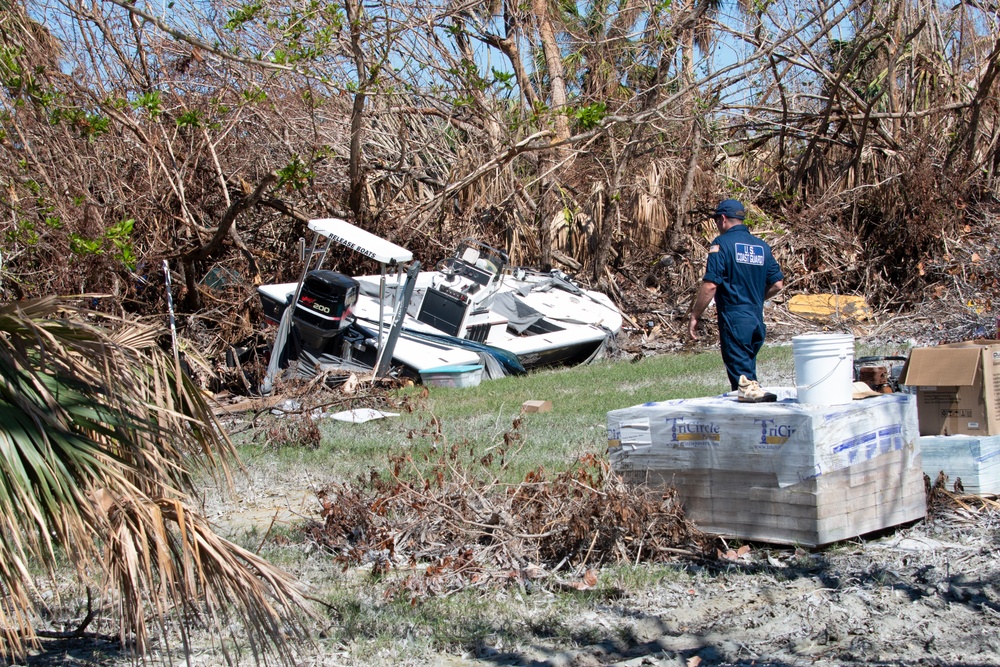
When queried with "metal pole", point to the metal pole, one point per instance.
{"points": [[381, 307], [384, 360], [281, 338]]}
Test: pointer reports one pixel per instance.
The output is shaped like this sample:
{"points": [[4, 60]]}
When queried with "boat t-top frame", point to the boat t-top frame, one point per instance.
{"points": [[334, 230]]}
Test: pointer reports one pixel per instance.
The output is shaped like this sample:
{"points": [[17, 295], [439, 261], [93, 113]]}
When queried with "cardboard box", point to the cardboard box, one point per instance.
{"points": [[958, 387], [536, 406]]}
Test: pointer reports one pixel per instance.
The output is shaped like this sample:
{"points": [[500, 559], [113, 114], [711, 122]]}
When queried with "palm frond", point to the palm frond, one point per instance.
{"points": [[99, 429]]}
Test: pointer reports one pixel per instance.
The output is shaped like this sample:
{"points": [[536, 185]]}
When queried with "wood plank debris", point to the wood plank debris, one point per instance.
{"points": [[829, 307]]}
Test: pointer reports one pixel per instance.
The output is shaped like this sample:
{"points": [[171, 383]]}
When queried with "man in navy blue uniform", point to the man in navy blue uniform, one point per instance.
{"points": [[740, 275]]}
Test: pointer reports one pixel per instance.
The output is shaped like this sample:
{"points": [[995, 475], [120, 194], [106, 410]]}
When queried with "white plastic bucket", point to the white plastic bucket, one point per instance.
{"points": [[824, 368]]}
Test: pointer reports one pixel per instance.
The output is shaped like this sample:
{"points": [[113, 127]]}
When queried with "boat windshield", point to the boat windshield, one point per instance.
{"points": [[481, 262]]}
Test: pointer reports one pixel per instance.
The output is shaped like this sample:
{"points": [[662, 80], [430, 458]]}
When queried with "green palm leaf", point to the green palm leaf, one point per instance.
{"points": [[98, 428]]}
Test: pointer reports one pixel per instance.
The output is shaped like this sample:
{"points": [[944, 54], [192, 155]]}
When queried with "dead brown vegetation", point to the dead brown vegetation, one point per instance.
{"points": [[448, 515], [863, 160]]}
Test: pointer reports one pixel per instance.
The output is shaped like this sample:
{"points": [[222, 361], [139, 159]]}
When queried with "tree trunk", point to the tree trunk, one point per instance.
{"points": [[554, 66], [551, 164], [684, 199]]}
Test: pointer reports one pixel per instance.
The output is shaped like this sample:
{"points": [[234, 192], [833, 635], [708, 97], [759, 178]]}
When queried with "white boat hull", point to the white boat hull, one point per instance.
{"points": [[574, 326], [416, 355]]}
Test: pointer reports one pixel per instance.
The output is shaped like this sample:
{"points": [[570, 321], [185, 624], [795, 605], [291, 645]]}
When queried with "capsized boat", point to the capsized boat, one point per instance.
{"points": [[540, 318], [473, 308], [318, 327]]}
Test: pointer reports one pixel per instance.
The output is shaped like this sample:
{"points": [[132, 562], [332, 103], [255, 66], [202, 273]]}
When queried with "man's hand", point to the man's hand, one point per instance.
{"points": [[704, 297]]}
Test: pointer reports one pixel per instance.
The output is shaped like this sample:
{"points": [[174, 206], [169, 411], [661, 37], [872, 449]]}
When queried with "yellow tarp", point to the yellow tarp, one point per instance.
{"points": [[825, 307]]}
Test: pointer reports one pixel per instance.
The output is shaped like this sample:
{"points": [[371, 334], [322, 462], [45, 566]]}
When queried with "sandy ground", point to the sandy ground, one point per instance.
{"points": [[924, 594]]}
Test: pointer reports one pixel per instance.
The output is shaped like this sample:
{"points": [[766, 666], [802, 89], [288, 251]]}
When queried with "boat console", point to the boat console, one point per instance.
{"points": [[457, 300]]}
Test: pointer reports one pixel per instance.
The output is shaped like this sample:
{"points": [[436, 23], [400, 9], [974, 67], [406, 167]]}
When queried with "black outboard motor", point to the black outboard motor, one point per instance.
{"points": [[324, 308]]}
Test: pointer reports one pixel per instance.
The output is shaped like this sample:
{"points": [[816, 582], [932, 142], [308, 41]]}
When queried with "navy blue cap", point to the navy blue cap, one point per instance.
{"points": [[730, 208]]}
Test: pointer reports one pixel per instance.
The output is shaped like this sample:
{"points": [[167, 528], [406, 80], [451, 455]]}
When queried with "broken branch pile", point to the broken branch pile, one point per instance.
{"points": [[448, 515]]}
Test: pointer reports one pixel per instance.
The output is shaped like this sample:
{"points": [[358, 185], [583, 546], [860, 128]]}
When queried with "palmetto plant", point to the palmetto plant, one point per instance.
{"points": [[99, 430]]}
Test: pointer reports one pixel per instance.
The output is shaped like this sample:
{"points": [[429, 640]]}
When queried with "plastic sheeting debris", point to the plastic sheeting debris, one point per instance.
{"points": [[361, 415]]}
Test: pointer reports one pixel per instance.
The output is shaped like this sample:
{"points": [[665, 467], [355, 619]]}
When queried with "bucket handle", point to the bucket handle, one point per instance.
{"points": [[826, 377]]}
